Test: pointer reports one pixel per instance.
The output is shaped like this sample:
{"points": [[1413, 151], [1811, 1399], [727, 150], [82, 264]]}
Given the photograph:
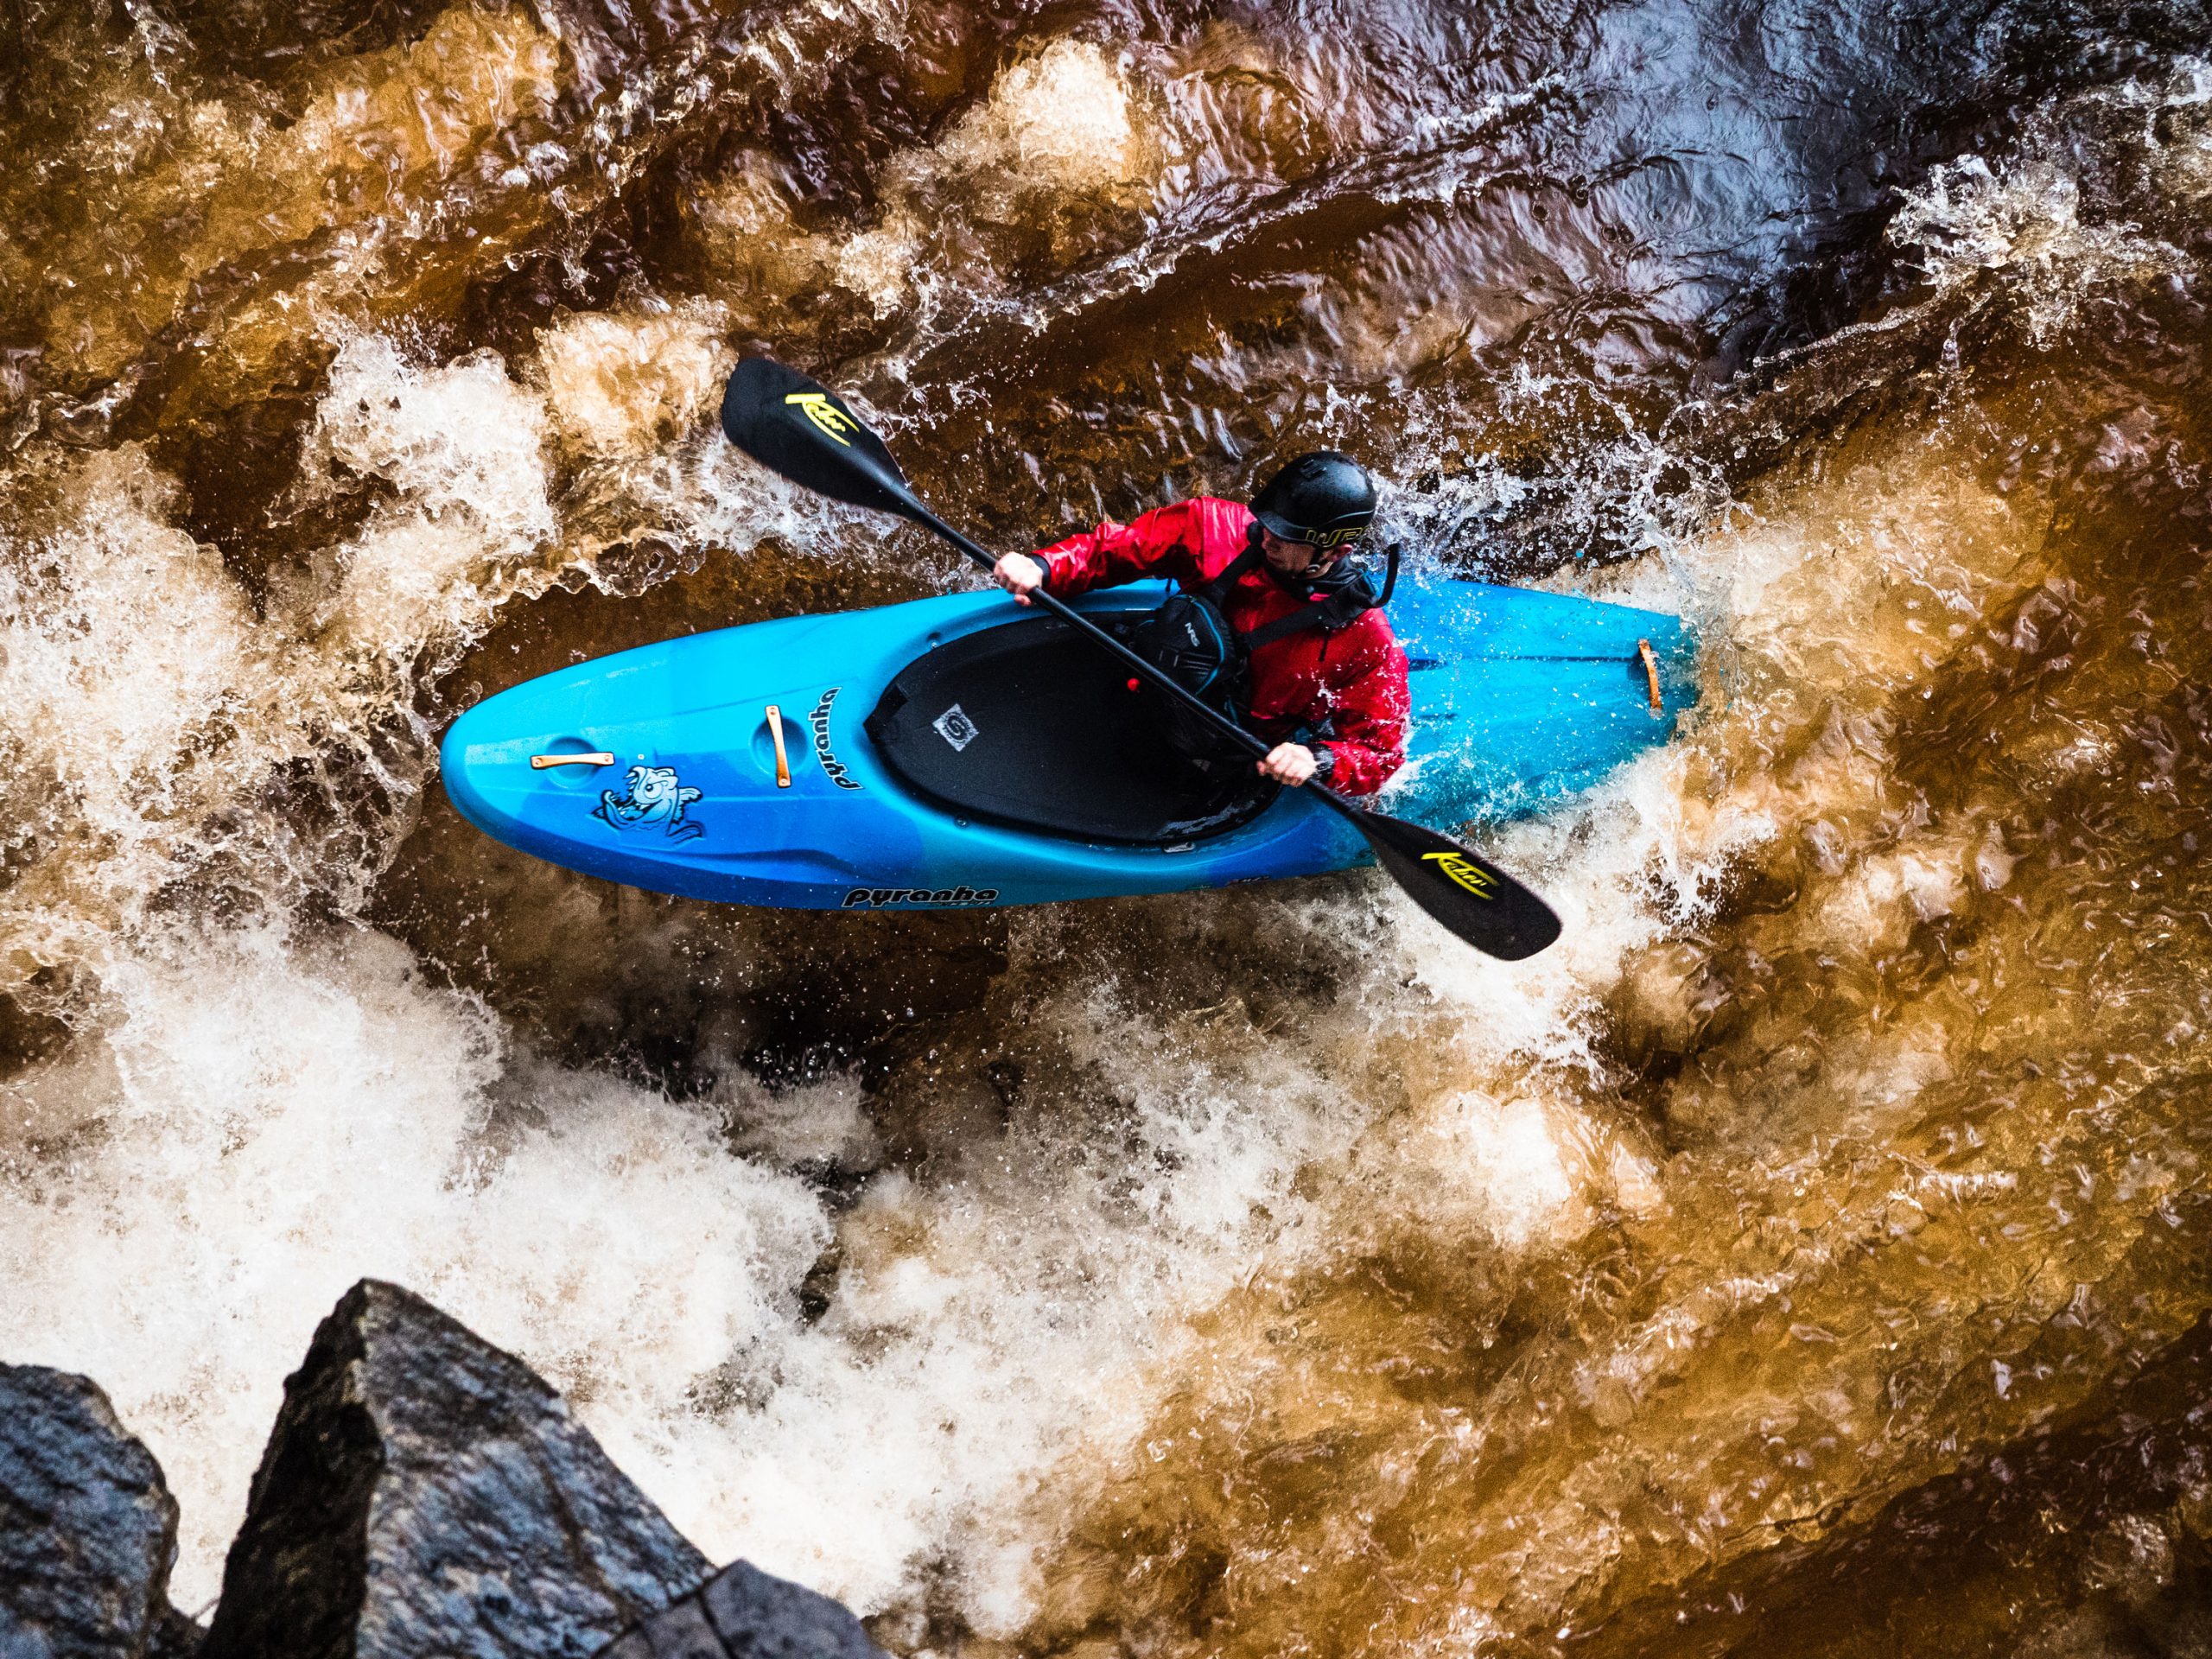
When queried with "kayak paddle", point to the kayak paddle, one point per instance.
{"points": [[793, 426]]}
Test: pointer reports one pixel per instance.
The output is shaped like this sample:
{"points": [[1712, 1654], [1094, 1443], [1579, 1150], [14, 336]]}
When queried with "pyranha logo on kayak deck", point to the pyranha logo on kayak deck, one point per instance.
{"points": [[651, 795], [946, 897], [831, 765]]}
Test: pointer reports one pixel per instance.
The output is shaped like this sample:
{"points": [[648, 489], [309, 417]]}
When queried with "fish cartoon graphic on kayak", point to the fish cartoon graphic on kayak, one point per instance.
{"points": [[652, 796]]}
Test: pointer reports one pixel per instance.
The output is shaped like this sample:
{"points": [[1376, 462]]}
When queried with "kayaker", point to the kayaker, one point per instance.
{"points": [[1305, 659]]}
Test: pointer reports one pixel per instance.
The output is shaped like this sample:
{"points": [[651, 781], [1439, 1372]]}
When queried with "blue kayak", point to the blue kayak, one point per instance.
{"points": [[962, 751]]}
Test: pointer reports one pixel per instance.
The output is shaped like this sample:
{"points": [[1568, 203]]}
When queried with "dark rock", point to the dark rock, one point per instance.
{"points": [[424, 1493], [87, 1527], [744, 1613], [176, 1637]]}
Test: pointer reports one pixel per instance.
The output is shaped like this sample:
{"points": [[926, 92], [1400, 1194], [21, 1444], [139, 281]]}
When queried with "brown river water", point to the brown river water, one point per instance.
{"points": [[1771, 1267]]}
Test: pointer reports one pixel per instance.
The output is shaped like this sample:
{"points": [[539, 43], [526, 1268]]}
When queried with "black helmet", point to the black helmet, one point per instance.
{"points": [[1324, 499]]}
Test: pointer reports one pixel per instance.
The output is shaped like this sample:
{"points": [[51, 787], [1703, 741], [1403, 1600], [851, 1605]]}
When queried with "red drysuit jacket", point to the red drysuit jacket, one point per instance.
{"points": [[1350, 681]]}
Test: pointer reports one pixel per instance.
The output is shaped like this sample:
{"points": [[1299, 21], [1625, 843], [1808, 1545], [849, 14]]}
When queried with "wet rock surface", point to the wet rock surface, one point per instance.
{"points": [[424, 1492], [744, 1613], [87, 1527]]}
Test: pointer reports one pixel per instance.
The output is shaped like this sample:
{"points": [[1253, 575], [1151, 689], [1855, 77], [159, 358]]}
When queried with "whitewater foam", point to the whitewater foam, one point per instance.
{"points": [[903, 1401]]}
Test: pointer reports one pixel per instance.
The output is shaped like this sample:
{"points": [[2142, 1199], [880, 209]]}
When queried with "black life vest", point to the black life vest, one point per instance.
{"points": [[1191, 637]]}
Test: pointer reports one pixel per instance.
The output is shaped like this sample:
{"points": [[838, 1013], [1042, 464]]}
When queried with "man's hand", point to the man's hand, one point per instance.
{"points": [[1288, 763], [1019, 575]]}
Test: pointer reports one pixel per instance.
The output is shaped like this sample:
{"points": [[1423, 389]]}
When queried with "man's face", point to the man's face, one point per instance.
{"points": [[1296, 558]]}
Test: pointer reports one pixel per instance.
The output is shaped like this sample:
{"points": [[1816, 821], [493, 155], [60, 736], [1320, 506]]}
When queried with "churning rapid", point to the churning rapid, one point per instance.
{"points": [[1255, 1273]]}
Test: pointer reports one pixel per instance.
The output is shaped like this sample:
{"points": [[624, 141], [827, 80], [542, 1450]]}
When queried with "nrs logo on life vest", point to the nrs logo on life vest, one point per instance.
{"points": [[832, 767], [832, 419], [1474, 879]]}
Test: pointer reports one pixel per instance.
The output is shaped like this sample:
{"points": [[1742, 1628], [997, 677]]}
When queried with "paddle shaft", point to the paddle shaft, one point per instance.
{"points": [[1257, 747]]}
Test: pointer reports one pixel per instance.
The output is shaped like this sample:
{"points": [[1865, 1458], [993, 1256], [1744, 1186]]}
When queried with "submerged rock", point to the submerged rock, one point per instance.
{"points": [[744, 1613], [424, 1493], [87, 1527]]}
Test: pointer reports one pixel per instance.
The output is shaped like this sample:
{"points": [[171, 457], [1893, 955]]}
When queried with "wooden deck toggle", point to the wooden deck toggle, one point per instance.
{"points": [[539, 762], [783, 760], [1651, 673]]}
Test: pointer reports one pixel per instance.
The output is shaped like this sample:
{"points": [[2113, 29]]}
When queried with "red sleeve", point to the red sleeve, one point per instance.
{"points": [[1369, 709], [1166, 542]]}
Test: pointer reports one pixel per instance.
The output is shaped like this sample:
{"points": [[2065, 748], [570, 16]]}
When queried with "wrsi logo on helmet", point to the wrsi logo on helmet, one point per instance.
{"points": [[1322, 498], [1329, 538], [938, 898], [819, 720], [833, 421]]}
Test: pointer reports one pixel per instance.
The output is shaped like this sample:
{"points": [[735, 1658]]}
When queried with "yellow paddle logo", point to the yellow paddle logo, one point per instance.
{"points": [[825, 415], [1473, 878]]}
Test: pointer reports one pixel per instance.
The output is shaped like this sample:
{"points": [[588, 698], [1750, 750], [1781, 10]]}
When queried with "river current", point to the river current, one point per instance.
{"points": [[1254, 1272]]}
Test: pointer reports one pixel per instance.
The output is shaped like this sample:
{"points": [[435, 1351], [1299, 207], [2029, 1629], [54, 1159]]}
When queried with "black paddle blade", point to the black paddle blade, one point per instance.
{"points": [[1461, 888], [794, 425]]}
